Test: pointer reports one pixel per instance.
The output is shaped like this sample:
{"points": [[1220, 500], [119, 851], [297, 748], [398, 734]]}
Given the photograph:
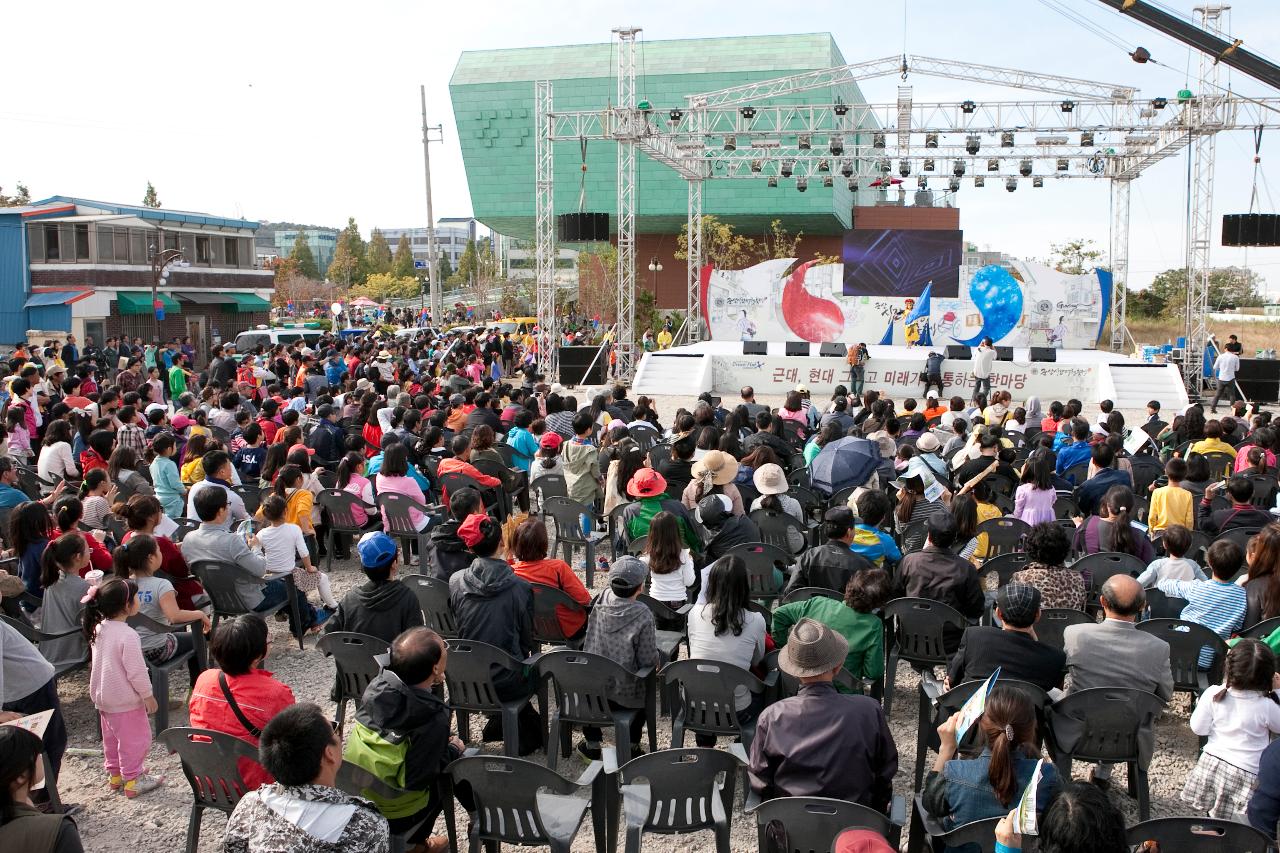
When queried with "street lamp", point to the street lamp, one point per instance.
{"points": [[160, 262], [655, 267]]}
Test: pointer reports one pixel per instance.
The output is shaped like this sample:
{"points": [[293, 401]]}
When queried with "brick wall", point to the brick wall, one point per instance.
{"points": [[918, 218]]}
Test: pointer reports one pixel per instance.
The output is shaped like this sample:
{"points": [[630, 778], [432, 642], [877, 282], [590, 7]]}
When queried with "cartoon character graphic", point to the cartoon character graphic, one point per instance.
{"points": [[746, 326]]}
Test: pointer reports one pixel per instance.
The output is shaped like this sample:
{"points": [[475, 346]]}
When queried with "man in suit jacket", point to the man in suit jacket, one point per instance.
{"points": [[1113, 653], [1013, 647]]}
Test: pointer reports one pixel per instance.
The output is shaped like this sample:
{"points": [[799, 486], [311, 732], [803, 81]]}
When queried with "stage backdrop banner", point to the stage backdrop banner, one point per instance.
{"points": [[900, 378], [1027, 305]]}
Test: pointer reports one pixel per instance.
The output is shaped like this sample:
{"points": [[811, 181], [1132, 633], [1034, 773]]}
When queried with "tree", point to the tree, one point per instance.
{"points": [[598, 284], [444, 268], [722, 247], [300, 290], [468, 264], [383, 286], [150, 199], [379, 253], [303, 257], [18, 199], [1228, 286], [402, 263], [1075, 257], [349, 265]]}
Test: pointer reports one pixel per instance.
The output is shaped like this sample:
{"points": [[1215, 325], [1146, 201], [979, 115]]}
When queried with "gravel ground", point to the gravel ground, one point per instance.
{"points": [[156, 822]]}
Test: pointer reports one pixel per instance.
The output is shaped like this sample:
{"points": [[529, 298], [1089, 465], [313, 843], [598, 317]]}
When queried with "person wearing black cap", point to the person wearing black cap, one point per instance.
{"points": [[725, 530], [831, 564], [1012, 648], [327, 438], [940, 575]]}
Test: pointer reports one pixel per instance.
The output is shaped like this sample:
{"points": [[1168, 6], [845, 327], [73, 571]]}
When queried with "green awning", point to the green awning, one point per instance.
{"points": [[140, 303], [246, 302]]}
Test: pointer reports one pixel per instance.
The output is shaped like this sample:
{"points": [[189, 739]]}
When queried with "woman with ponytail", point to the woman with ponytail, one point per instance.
{"points": [[120, 685], [68, 512], [1112, 529], [95, 496], [351, 479], [22, 825], [143, 515], [140, 558], [958, 791], [30, 529], [64, 560]]}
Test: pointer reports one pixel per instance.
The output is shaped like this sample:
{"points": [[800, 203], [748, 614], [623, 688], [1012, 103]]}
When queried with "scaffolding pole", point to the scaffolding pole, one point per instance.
{"points": [[545, 227], [630, 126], [1121, 338], [693, 262]]}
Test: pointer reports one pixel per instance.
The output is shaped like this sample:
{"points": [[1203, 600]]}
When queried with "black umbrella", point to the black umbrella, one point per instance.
{"points": [[843, 463]]}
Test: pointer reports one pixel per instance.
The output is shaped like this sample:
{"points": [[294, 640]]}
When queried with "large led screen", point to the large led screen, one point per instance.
{"points": [[897, 262]]}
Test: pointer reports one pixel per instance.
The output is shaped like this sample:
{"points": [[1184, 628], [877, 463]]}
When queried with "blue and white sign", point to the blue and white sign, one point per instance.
{"points": [[419, 265]]}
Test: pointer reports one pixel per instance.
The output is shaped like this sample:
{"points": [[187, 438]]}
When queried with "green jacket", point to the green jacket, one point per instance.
{"points": [[864, 632]]}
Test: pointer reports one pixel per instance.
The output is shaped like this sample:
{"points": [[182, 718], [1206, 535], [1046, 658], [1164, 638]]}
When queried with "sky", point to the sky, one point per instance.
{"points": [[309, 112]]}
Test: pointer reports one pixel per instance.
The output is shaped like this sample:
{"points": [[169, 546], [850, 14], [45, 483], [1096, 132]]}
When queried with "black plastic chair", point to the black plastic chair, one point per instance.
{"points": [[185, 526], [810, 503], [1187, 643], [913, 537], [1220, 464], [1105, 724], [1240, 536], [568, 514], [677, 791], [354, 655], [219, 580], [994, 574], [340, 507], [1161, 606], [644, 435], [1199, 835], [1146, 471], [507, 452], [1099, 568], [35, 636], [251, 495], [359, 782], [813, 823], [1004, 535], [1065, 506], [550, 605], [543, 489], [926, 830], [433, 598], [702, 697], [672, 631], [469, 677], [780, 530], [919, 627], [211, 763], [1077, 474], [805, 593], [497, 470], [637, 546], [1262, 629], [397, 520], [762, 559], [159, 672], [521, 802], [1056, 620], [615, 529], [584, 685]]}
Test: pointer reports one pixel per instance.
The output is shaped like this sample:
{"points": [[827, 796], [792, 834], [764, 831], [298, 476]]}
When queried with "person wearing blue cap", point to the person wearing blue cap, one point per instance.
{"points": [[383, 607]]}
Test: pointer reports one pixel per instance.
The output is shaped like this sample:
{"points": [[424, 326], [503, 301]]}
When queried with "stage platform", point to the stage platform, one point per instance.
{"points": [[1087, 375]]}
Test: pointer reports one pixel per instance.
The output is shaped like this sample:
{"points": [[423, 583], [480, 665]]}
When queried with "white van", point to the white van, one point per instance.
{"points": [[264, 337]]}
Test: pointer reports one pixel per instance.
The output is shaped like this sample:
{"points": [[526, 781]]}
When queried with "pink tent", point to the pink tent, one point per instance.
{"points": [[363, 302]]}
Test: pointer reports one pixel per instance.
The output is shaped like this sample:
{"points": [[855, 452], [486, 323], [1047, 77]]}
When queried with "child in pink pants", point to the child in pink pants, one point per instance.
{"points": [[120, 685]]}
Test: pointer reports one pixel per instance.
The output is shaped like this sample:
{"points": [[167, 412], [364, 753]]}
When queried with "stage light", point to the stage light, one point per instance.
{"points": [[886, 165], [1063, 165], [931, 140], [747, 112], [1037, 181], [853, 186], [967, 106], [1010, 184], [730, 143], [1086, 139], [993, 165], [928, 164], [846, 168], [922, 182], [773, 183], [979, 181], [1024, 168], [827, 182], [786, 168], [877, 140], [957, 168], [904, 167], [824, 165], [1159, 103], [802, 184], [757, 165], [1067, 106], [1006, 139], [803, 142], [676, 115], [973, 143], [837, 145], [954, 185], [841, 108]]}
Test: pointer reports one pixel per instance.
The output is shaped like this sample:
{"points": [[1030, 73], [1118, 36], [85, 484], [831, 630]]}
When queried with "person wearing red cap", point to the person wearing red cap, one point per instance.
{"points": [[861, 841], [648, 487], [547, 460]]}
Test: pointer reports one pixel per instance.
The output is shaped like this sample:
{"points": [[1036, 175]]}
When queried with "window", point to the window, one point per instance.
{"points": [[203, 255], [231, 251], [82, 242], [171, 240], [51, 243], [120, 244]]}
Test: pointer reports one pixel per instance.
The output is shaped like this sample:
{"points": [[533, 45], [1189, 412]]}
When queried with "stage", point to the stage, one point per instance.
{"points": [[1087, 375]]}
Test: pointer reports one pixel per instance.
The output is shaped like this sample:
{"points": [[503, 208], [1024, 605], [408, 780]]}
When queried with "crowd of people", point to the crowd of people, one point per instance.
{"points": [[117, 494]]}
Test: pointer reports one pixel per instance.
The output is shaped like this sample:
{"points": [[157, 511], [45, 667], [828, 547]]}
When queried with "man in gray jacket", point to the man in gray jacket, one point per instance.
{"points": [[621, 628], [1113, 653]]}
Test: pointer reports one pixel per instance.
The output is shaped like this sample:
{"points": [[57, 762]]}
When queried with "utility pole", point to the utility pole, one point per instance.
{"points": [[433, 261]]}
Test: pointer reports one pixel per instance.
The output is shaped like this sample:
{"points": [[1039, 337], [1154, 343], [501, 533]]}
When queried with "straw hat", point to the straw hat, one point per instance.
{"points": [[770, 480], [722, 467], [812, 649]]}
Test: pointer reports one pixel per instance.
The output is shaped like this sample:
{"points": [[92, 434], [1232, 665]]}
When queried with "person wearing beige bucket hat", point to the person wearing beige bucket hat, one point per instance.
{"points": [[820, 743], [713, 474], [771, 482]]}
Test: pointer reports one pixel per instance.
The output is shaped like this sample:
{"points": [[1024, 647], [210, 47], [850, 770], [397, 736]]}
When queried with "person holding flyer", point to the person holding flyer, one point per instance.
{"points": [[958, 790]]}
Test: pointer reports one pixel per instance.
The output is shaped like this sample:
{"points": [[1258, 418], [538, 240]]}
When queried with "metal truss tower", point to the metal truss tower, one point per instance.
{"points": [[1121, 338], [630, 126], [694, 319], [545, 230]]}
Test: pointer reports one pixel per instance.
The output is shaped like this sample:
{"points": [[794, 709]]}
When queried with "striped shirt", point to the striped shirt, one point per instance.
{"points": [[1217, 605]]}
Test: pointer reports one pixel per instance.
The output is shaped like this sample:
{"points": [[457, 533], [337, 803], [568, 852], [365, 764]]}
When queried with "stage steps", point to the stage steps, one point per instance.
{"points": [[1134, 385], [687, 374]]}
